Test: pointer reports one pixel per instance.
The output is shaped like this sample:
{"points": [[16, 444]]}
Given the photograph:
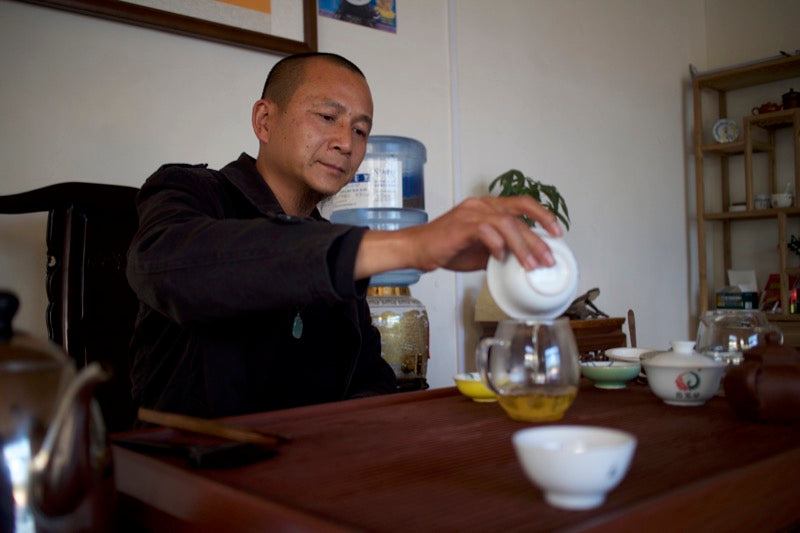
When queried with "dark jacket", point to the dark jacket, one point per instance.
{"points": [[222, 274]]}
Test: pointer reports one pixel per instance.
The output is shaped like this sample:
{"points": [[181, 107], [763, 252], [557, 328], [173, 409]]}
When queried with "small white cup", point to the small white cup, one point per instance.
{"points": [[781, 199], [575, 466], [542, 293]]}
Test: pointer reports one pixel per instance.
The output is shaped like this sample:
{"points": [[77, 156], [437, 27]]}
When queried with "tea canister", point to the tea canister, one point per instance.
{"points": [[791, 99], [405, 334]]}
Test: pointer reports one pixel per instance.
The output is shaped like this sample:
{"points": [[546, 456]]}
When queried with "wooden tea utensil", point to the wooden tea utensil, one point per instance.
{"points": [[213, 428], [632, 327]]}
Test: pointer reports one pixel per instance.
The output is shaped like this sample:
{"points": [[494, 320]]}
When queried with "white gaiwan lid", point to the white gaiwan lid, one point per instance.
{"points": [[541, 293], [682, 355]]}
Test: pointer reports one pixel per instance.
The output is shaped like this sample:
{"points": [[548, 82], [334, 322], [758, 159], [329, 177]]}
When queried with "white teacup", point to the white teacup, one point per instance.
{"points": [[541, 293], [781, 199], [575, 466]]}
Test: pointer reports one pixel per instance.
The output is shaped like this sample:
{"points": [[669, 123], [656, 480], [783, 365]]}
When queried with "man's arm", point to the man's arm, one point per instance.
{"points": [[462, 239]]}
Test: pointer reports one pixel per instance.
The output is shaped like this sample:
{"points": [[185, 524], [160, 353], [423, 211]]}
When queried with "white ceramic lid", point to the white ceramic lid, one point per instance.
{"points": [[682, 355]]}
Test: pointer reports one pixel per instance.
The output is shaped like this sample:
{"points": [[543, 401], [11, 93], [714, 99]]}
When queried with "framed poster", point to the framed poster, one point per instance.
{"points": [[378, 14], [278, 26]]}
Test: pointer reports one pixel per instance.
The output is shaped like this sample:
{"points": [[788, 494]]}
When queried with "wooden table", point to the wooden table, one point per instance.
{"points": [[436, 461]]}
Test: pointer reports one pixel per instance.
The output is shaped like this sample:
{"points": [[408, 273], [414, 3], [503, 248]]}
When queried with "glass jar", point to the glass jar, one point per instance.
{"points": [[725, 334], [405, 334]]}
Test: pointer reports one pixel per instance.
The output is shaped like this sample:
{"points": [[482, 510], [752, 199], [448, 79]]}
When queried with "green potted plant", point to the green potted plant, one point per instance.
{"points": [[515, 183]]}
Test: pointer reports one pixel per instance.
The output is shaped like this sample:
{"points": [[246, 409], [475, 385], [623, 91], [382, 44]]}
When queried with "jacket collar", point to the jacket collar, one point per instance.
{"points": [[244, 175]]}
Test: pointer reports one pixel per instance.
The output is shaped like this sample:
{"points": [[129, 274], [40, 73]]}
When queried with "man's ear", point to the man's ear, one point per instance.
{"points": [[262, 111]]}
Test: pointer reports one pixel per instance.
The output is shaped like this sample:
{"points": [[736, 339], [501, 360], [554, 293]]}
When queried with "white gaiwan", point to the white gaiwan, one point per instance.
{"points": [[683, 376], [541, 293]]}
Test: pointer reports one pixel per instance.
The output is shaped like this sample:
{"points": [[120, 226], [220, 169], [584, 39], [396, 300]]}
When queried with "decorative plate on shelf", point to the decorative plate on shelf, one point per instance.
{"points": [[725, 130]]}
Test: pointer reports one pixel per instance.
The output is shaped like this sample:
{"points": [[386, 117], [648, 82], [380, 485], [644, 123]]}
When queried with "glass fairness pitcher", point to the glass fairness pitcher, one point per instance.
{"points": [[532, 366], [725, 334]]}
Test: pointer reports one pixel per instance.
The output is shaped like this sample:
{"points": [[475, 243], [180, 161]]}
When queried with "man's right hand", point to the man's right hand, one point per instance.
{"points": [[462, 239]]}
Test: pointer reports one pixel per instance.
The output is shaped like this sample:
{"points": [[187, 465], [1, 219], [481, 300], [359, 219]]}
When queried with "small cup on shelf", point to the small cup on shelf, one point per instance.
{"points": [[781, 199], [761, 201]]}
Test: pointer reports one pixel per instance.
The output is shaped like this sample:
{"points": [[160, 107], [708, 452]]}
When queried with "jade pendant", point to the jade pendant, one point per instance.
{"points": [[297, 326]]}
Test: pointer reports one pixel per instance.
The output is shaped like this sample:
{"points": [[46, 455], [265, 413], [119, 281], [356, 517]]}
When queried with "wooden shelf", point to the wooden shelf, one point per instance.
{"points": [[781, 317], [767, 71], [722, 81], [592, 336], [775, 120], [754, 214], [736, 147]]}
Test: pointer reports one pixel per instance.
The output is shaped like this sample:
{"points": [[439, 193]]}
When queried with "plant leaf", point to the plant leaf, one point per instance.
{"points": [[514, 183]]}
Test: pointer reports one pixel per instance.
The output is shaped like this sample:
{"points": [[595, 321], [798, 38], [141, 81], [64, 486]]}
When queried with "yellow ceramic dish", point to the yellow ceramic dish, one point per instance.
{"points": [[472, 386]]}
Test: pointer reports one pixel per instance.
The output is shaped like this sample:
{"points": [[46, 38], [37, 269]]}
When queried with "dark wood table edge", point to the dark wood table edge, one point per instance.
{"points": [[205, 506]]}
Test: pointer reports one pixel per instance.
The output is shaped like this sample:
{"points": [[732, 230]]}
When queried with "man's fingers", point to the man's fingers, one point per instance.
{"points": [[525, 205], [492, 240]]}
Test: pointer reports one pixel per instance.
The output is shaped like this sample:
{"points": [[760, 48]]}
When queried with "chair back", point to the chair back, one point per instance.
{"points": [[91, 309]]}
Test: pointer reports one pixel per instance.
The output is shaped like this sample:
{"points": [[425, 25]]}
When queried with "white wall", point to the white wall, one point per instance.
{"points": [[588, 95], [745, 30]]}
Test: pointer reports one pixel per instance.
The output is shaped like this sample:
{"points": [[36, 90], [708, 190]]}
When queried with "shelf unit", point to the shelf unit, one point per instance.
{"points": [[722, 82]]}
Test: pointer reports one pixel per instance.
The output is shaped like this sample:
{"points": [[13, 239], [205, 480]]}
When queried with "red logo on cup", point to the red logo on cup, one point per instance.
{"points": [[687, 381]]}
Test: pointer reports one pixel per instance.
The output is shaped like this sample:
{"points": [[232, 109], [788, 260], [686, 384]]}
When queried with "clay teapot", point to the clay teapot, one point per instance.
{"points": [[767, 107], [766, 386], [791, 99], [56, 471]]}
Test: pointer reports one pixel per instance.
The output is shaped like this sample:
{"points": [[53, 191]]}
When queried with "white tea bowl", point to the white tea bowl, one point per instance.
{"points": [[541, 293], [781, 199], [629, 354], [575, 466]]}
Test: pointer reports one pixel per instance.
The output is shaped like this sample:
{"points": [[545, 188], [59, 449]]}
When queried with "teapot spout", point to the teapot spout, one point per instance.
{"points": [[72, 482]]}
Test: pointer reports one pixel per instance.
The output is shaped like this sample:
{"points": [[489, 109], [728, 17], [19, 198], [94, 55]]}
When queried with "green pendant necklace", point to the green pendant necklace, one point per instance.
{"points": [[297, 326]]}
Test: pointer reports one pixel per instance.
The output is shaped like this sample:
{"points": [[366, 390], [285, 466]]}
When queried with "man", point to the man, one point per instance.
{"points": [[250, 301]]}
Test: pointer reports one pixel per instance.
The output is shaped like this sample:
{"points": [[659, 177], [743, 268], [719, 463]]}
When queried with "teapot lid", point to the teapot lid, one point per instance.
{"points": [[735, 318], [682, 354], [20, 352]]}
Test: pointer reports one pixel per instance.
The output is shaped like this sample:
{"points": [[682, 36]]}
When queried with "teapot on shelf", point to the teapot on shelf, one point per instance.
{"points": [[56, 470], [766, 107]]}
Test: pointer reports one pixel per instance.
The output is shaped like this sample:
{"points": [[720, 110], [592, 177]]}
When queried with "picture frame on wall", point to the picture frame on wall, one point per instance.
{"points": [[277, 26]]}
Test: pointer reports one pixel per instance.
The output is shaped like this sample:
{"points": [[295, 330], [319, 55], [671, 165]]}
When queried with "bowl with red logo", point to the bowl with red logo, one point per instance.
{"points": [[682, 376]]}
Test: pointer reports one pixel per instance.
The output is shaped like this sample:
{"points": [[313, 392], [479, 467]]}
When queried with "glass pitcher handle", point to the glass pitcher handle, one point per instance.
{"points": [[482, 355], [776, 331]]}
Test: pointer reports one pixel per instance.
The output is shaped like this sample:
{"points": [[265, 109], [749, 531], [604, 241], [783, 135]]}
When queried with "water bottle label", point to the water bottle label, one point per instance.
{"points": [[378, 182]]}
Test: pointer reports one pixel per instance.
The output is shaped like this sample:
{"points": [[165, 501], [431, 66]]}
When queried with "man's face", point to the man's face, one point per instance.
{"points": [[318, 141]]}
